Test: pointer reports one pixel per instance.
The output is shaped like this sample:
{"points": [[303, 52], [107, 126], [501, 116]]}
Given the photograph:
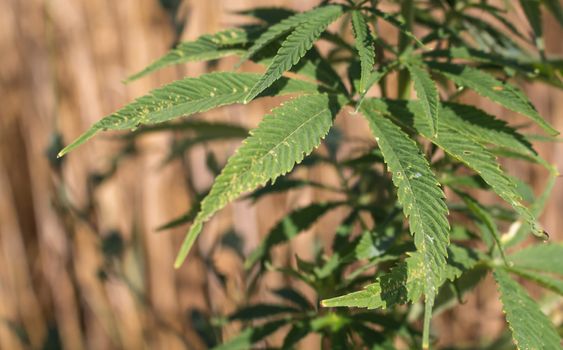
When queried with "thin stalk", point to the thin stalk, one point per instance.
{"points": [[427, 316]]}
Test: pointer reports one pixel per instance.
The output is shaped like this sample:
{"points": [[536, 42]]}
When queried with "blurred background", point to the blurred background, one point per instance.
{"points": [[82, 265]]}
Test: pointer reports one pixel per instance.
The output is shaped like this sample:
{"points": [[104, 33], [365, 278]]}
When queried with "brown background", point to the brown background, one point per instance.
{"points": [[61, 66]]}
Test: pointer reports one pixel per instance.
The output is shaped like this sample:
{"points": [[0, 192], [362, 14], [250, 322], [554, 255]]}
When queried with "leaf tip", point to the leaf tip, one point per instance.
{"points": [[188, 243], [61, 153], [178, 262], [134, 76], [181, 257], [79, 141]]}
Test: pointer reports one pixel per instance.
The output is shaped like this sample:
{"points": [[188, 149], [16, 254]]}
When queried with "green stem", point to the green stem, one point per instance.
{"points": [[428, 303], [407, 11]]}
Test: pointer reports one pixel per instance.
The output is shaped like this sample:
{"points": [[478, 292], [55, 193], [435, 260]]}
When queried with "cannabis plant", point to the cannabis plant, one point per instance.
{"points": [[415, 238]]}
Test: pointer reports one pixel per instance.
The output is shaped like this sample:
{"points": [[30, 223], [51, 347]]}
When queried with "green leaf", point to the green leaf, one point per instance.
{"points": [[537, 208], [418, 192], [475, 55], [295, 46], [484, 128], [547, 257], [314, 66], [466, 150], [364, 45], [199, 127], [233, 42], [550, 282], [186, 97], [372, 245], [460, 259], [245, 339], [371, 296], [405, 282], [372, 79], [281, 140], [490, 38], [488, 86], [477, 157], [531, 329], [207, 47], [528, 67], [422, 201], [491, 233], [290, 226], [427, 93], [500, 15], [280, 29]]}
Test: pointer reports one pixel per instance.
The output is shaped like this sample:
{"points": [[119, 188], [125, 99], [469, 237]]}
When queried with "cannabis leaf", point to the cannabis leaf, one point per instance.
{"points": [[418, 192], [471, 153], [549, 282], [477, 157], [541, 258], [364, 45], [186, 97], [405, 282], [490, 230], [531, 329], [279, 29], [417, 142], [484, 128], [422, 201], [497, 91], [207, 47], [295, 46], [426, 92], [281, 140]]}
